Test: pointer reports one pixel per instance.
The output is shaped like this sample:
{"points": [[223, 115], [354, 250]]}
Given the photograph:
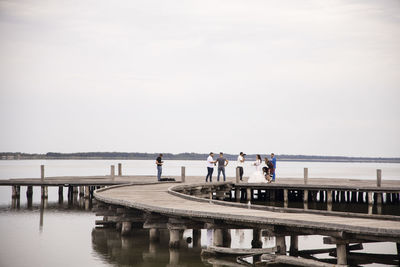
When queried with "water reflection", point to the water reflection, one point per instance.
{"points": [[138, 249]]}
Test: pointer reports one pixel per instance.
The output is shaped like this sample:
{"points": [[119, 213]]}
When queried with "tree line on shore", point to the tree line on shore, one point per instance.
{"points": [[184, 156]]}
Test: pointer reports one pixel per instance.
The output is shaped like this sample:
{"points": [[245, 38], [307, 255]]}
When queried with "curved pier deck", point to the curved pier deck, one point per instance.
{"points": [[155, 198]]}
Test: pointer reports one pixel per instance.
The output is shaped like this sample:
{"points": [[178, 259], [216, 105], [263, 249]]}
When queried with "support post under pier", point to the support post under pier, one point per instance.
{"points": [[341, 253]]}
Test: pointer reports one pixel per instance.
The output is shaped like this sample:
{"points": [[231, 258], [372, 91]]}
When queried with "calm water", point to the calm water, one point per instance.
{"points": [[62, 234]]}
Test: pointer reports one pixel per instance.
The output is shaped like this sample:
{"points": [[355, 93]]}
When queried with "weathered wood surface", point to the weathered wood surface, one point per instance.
{"points": [[237, 251], [282, 259], [155, 198], [79, 180], [287, 183]]}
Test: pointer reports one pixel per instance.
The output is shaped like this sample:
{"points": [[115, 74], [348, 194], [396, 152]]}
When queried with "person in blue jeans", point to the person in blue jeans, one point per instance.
{"points": [[222, 163], [159, 164], [210, 166], [273, 159]]}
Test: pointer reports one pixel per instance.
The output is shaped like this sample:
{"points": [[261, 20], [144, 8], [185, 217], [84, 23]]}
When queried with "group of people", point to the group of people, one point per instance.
{"points": [[265, 171]]}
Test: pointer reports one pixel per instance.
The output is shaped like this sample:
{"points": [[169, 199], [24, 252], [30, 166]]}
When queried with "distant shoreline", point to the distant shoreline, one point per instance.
{"points": [[183, 156]]}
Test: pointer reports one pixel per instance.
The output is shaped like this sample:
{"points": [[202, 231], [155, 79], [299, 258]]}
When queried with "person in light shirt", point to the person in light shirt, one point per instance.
{"points": [[210, 166], [240, 164]]}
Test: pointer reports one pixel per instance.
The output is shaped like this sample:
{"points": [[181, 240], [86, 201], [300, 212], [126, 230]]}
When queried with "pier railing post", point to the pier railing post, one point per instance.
{"points": [[119, 169], [183, 174], [112, 174], [305, 175], [237, 175], [42, 172], [378, 177], [44, 188], [379, 195]]}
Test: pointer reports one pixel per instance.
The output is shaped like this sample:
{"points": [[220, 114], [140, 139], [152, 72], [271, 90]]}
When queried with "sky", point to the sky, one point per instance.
{"points": [[290, 77]]}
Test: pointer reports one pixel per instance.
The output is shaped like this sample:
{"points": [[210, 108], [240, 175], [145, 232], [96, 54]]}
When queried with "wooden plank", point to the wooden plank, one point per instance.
{"points": [[283, 259], [327, 250], [238, 251]]}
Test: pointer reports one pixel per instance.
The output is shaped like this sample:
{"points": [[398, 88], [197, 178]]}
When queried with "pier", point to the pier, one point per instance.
{"points": [[200, 206], [282, 209]]}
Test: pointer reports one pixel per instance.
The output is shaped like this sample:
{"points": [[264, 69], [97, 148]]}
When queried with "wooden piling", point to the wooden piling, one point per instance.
{"points": [[14, 191], [378, 177], [370, 198], [256, 242], [196, 238], [174, 238], [87, 191], [353, 196], [305, 197], [329, 196], [126, 228], [237, 194], [183, 174], [294, 245], [29, 191], [342, 196], [112, 172], [360, 197], [218, 238], [70, 192], [248, 194], [45, 192], [119, 169], [285, 198], [341, 253], [305, 175], [42, 172], [154, 235], [329, 200], [281, 245], [81, 191], [237, 175]]}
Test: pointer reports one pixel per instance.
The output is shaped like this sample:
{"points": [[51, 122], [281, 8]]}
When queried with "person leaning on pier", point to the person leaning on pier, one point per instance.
{"points": [[240, 164], [222, 163], [210, 166], [159, 164]]}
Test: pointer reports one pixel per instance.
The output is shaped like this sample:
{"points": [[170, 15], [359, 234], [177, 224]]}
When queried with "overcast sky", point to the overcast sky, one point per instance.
{"points": [[290, 77]]}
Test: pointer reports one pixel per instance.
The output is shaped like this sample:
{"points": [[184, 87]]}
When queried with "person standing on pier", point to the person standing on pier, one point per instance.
{"points": [[159, 164], [273, 160], [222, 163], [210, 166], [240, 164]]}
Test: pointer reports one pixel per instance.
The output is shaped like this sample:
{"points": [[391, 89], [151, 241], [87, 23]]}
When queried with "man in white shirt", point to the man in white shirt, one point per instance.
{"points": [[240, 164], [210, 166]]}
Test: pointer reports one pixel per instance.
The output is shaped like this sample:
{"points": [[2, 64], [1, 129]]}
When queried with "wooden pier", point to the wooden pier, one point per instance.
{"points": [[177, 208], [140, 202]]}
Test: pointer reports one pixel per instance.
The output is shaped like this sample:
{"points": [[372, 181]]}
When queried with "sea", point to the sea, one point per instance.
{"points": [[58, 233]]}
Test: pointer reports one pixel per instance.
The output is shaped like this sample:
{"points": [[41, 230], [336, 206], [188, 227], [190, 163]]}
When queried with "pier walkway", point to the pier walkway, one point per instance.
{"points": [[156, 198]]}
